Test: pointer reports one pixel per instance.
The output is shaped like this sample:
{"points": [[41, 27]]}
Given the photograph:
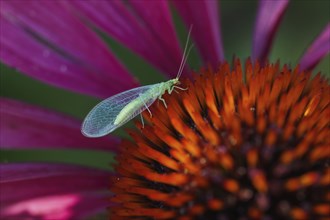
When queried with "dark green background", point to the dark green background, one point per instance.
{"points": [[303, 21]]}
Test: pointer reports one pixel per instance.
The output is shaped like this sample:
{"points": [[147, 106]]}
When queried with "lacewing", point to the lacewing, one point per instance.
{"points": [[117, 110]]}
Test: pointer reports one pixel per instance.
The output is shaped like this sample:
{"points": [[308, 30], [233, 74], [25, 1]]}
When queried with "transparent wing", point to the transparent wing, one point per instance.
{"points": [[100, 120]]}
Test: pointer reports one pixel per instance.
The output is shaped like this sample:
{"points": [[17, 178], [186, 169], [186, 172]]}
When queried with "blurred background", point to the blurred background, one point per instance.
{"points": [[303, 21]]}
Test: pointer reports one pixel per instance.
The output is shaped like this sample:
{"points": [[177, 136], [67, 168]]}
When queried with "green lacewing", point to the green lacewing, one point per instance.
{"points": [[117, 110]]}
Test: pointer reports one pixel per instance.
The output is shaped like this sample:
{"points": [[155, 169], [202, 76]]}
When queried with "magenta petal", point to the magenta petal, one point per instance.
{"points": [[144, 27], [48, 42], [59, 207], [204, 16], [51, 191], [91, 205], [21, 182], [26, 126], [26, 171], [319, 49], [270, 14]]}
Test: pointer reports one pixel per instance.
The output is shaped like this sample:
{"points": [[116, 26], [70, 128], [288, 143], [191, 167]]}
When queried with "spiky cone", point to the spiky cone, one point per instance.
{"points": [[252, 145]]}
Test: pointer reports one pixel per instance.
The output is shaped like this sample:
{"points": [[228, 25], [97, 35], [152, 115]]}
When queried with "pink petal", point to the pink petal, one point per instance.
{"points": [[25, 171], [59, 207], [270, 14], [51, 191], [91, 205], [20, 182], [319, 49], [26, 126], [48, 42], [144, 27], [204, 16]]}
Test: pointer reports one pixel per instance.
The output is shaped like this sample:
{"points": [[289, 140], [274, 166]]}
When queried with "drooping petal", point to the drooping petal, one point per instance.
{"points": [[204, 17], [269, 16], [25, 181], [48, 42], [51, 191], [63, 207], [319, 49], [27, 171], [26, 126], [147, 29]]}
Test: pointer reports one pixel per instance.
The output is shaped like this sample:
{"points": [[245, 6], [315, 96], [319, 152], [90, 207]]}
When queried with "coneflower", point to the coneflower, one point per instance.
{"points": [[248, 143], [237, 144]]}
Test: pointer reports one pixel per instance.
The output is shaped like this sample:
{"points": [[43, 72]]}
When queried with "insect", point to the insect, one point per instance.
{"points": [[117, 110]]}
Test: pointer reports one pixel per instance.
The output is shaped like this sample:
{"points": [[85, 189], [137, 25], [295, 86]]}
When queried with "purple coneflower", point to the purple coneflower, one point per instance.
{"points": [[246, 142]]}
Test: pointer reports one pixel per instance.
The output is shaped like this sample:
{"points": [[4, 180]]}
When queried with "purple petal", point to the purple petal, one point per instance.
{"points": [[27, 171], [144, 27], [270, 14], [52, 191], [61, 207], [48, 42], [204, 16], [21, 182], [319, 49], [27, 126]]}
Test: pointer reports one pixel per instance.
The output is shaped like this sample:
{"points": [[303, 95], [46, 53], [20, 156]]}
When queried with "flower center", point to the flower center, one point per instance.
{"points": [[252, 143]]}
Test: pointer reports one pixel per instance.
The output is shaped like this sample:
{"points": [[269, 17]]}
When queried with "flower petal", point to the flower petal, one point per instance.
{"points": [[319, 49], [270, 14], [51, 191], [27, 126], [147, 29], [62, 52], [64, 207], [21, 182], [26, 171], [204, 17]]}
